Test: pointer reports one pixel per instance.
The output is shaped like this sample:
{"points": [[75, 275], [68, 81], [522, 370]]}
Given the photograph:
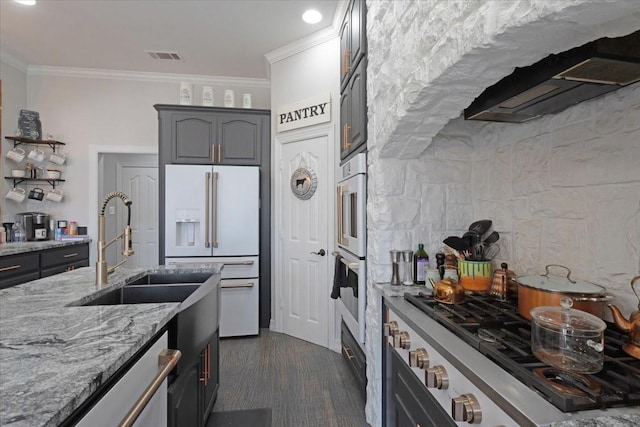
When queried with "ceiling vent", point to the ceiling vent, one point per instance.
{"points": [[172, 56]]}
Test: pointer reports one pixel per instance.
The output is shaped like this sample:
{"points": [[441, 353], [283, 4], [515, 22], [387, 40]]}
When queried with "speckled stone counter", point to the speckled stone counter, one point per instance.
{"points": [[462, 355], [54, 353], [24, 247]]}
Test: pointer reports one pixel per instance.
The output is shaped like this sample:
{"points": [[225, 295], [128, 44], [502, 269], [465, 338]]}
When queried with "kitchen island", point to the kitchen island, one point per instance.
{"points": [[55, 353], [470, 371]]}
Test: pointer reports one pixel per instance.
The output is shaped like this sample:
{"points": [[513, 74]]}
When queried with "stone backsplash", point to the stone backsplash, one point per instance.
{"points": [[560, 189]]}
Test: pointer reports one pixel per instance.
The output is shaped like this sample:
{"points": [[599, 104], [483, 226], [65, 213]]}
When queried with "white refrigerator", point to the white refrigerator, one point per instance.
{"points": [[212, 214]]}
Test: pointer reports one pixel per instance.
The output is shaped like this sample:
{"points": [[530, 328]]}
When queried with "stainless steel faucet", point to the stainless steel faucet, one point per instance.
{"points": [[102, 270]]}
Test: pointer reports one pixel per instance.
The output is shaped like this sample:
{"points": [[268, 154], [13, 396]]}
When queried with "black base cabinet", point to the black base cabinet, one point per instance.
{"points": [[409, 402], [192, 395], [355, 358], [22, 268]]}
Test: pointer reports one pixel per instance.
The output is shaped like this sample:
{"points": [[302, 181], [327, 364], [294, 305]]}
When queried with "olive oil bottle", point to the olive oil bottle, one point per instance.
{"points": [[420, 265]]}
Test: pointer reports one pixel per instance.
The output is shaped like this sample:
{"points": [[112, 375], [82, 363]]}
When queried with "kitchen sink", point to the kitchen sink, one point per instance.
{"points": [[170, 278], [155, 288], [144, 294]]}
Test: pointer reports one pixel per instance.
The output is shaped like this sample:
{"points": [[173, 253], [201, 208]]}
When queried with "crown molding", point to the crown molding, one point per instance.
{"points": [[312, 40], [37, 70], [13, 61]]}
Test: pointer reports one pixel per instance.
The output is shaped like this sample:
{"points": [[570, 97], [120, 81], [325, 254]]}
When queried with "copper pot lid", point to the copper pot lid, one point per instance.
{"points": [[558, 284]]}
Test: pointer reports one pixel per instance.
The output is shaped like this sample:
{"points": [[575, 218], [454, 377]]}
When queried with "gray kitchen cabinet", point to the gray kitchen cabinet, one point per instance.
{"points": [[239, 139], [353, 72], [182, 399], [20, 268], [353, 41], [192, 395], [355, 358], [193, 137], [353, 112], [209, 135], [24, 267]]}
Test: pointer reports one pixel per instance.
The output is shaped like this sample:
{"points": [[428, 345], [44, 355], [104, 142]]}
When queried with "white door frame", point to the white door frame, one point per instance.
{"points": [[94, 179], [328, 132]]}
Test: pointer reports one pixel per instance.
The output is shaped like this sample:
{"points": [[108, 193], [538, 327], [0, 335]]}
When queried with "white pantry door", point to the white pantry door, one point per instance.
{"points": [[304, 229], [140, 183]]}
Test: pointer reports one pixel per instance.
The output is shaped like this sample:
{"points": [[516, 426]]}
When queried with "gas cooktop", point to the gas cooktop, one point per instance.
{"points": [[496, 330]]}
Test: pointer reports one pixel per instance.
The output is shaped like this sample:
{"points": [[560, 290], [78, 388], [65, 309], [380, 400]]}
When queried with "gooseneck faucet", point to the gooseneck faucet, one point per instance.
{"points": [[102, 270]]}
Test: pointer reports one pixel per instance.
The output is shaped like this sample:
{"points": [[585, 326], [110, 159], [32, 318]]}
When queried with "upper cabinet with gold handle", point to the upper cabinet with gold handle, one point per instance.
{"points": [[353, 100]]}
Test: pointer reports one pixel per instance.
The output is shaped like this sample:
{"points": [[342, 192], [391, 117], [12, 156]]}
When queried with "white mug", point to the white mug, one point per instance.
{"points": [[54, 195], [36, 154], [17, 194], [57, 158], [17, 154]]}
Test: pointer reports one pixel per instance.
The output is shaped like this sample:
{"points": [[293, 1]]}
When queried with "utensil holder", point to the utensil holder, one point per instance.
{"points": [[474, 275]]}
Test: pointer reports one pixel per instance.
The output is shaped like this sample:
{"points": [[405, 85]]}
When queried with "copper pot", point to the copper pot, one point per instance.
{"points": [[546, 290]]}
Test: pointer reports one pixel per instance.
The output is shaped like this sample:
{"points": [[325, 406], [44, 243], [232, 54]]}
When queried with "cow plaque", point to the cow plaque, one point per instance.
{"points": [[304, 183]]}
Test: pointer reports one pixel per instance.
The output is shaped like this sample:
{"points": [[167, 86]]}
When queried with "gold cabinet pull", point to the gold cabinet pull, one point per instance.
{"points": [[347, 128], [238, 285], [213, 153], [167, 359], [214, 214], [70, 255], [347, 352], [219, 153], [207, 191], [11, 267], [238, 262]]}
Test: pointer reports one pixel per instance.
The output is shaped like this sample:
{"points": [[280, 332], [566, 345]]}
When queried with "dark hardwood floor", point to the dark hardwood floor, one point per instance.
{"points": [[304, 384]]}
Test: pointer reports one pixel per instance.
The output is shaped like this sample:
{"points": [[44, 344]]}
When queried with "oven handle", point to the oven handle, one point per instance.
{"points": [[352, 265], [341, 239]]}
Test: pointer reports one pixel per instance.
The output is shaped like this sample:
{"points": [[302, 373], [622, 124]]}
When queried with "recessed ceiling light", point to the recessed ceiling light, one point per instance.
{"points": [[312, 16], [26, 2]]}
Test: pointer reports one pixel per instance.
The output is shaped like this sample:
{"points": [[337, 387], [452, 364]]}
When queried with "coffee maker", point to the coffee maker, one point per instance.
{"points": [[35, 225]]}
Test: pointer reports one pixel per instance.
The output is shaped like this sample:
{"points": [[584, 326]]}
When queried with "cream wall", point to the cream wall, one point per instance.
{"points": [[311, 72], [14, 98], [86, 108]]}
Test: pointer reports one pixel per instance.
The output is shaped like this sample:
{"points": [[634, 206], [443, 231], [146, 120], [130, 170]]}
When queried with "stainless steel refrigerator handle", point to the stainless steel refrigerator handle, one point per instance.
{"points": [[167, 359], [207, 191], [214, 214], [239, 285]]}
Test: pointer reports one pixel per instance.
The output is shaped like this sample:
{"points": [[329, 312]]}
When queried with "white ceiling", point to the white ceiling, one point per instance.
{"points": [[215, 37]]}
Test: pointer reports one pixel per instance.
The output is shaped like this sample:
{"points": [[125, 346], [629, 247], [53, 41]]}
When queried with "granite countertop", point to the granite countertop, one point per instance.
{"points": [[24, 247], [54, 354], [489, 374]]}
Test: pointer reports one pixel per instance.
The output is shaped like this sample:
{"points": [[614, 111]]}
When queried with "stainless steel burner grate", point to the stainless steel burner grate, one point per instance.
{"points": [[495, 329]]}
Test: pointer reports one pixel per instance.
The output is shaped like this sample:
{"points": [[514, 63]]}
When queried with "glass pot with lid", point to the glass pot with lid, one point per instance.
{"points": [[568, 339]]}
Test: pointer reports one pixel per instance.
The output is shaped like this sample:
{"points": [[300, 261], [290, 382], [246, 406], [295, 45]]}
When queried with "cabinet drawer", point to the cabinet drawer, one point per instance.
{"points": [[355, 358], [64, 255], [18, 265], [239, 307], [46, 272], [16, 280]]}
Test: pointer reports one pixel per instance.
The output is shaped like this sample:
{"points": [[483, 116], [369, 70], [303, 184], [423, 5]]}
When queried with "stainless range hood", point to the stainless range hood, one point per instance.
{"points": [[560, 81]]}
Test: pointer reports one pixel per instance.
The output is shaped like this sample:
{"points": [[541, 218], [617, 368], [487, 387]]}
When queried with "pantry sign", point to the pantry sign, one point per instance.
{"points": [[304, 113]]}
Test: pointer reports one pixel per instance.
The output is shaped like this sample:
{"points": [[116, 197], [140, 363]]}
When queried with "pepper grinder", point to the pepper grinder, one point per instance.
{"points": [[440, 263], [395, 267], [407, 258]]}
